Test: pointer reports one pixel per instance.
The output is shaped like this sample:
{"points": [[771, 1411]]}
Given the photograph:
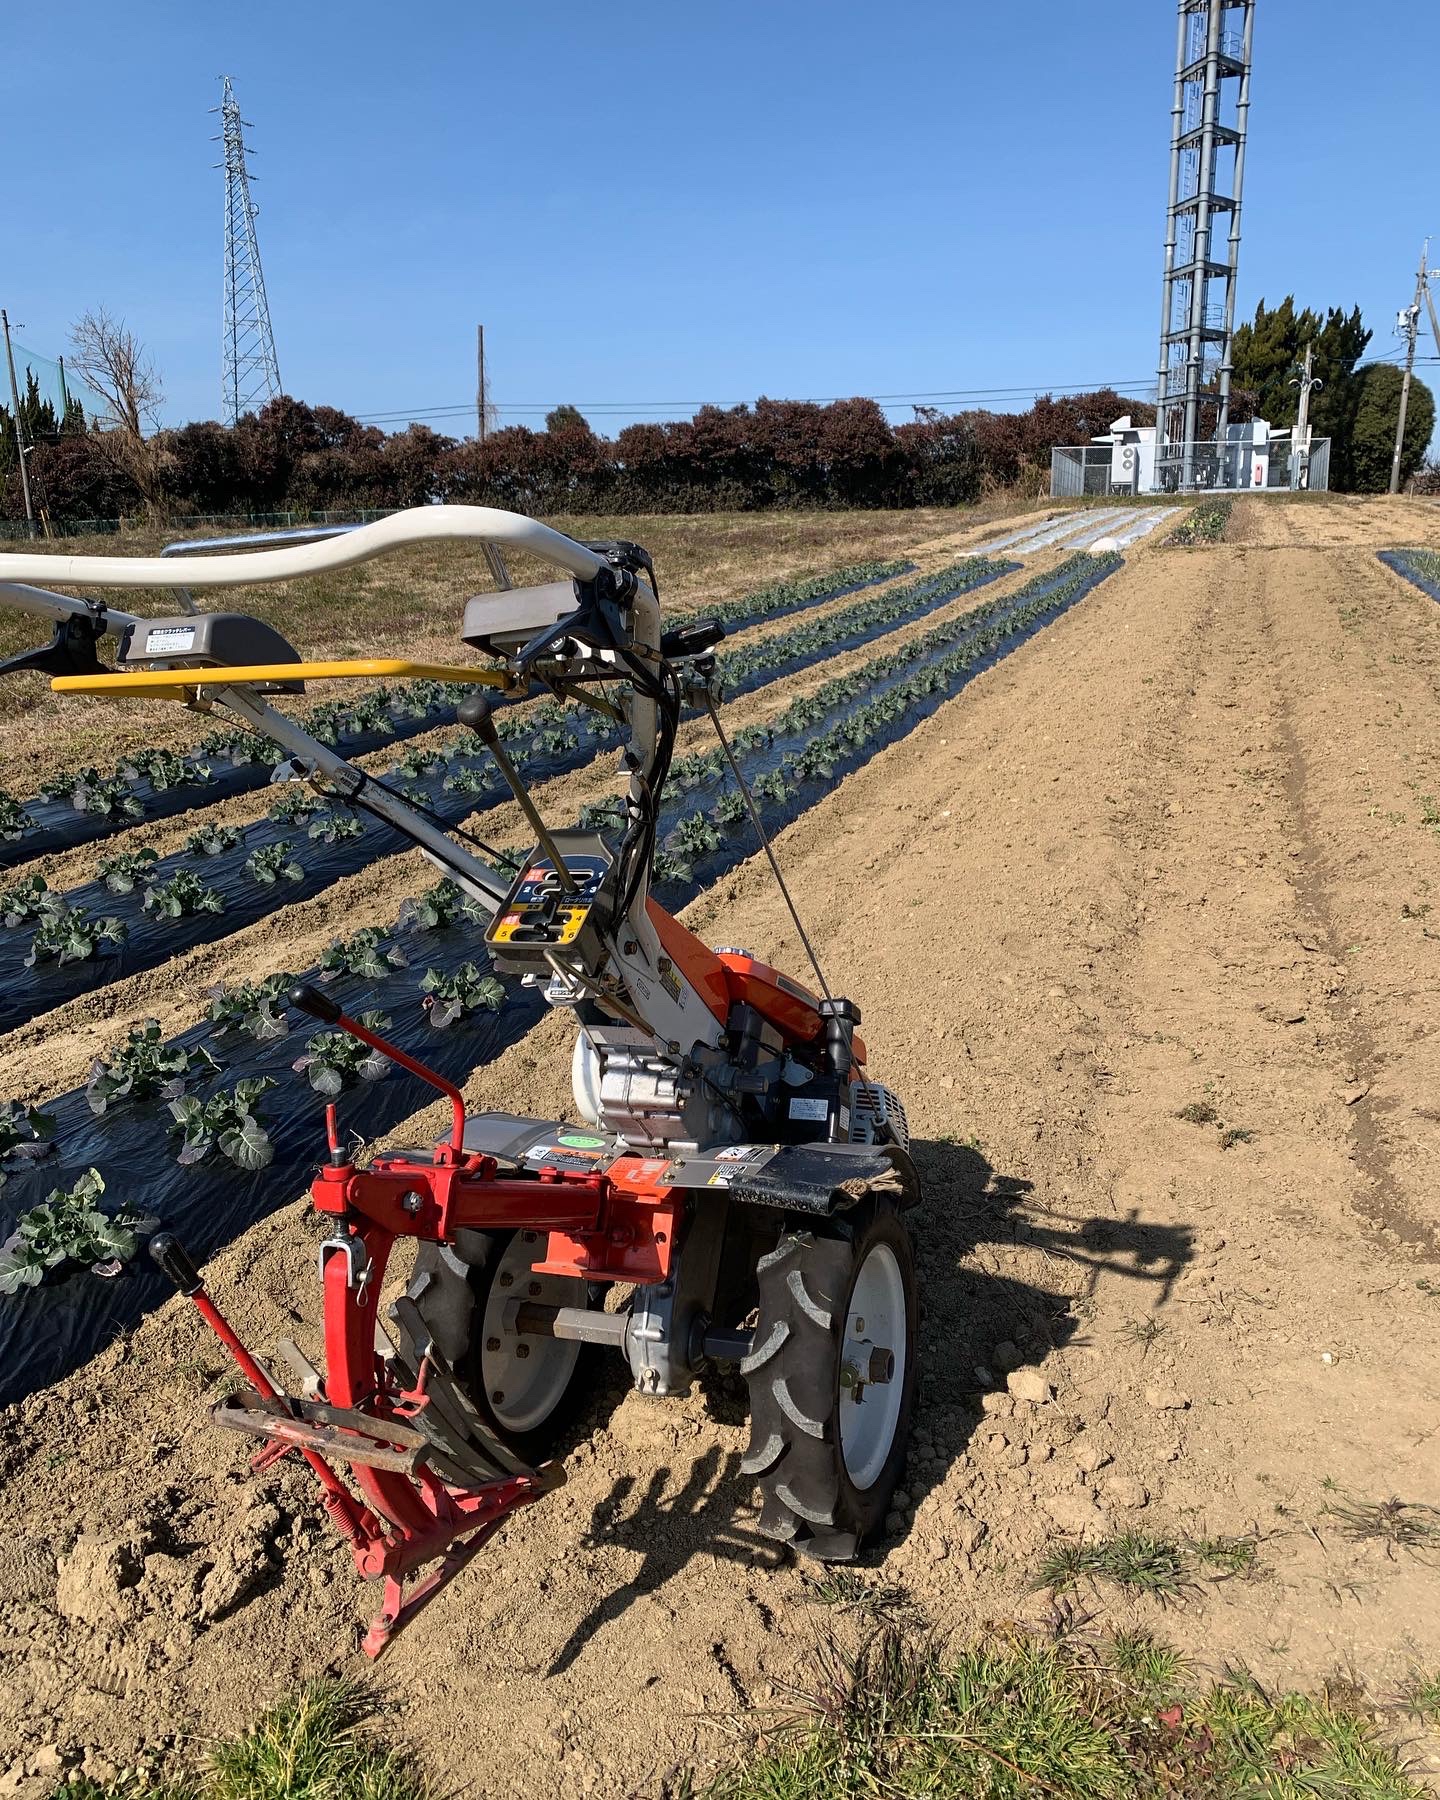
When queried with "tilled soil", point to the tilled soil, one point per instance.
{"points": [[1173, 856]]}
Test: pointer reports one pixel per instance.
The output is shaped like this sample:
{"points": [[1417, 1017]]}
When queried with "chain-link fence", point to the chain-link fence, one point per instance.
{"points": [[1223, 465]]}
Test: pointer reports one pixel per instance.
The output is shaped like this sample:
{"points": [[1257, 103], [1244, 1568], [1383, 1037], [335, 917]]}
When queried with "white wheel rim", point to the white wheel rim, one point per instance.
{"points": [[521, 1392], [870, 1411]]}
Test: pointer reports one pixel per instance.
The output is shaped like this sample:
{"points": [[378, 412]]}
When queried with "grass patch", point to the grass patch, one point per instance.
{"points": [[1397, 1524], [1142, 1332], [317, 1744], [846, 1591], [1422, 1697], [1012, 1716], [1164, 1568], [1199, 1112]]}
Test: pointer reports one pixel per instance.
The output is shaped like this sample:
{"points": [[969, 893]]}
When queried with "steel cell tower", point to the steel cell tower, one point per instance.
{"points": [[249, 373], [1207, 173]]}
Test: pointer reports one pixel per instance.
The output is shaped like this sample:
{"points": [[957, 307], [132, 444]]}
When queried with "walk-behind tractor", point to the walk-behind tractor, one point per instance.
{"points": [[735, 1188]]}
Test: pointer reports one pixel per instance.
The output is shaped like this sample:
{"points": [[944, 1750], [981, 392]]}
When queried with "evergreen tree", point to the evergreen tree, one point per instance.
{"points": [[1269, 352], [1369, 443]]}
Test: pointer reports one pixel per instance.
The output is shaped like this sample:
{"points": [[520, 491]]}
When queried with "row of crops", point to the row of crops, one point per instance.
{"points": [[140, 909], [210, 1129], [1421, 568], [80, 805], [1205, 523]]}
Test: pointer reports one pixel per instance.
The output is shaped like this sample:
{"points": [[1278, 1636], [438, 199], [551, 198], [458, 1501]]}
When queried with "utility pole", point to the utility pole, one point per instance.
{"points": [[1305, 382], [1410, 329], [19, 435], [480, 396]]}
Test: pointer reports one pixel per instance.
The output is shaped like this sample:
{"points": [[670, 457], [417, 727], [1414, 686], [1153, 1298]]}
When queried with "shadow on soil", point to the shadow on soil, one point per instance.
{"points": [[971, 1219]]}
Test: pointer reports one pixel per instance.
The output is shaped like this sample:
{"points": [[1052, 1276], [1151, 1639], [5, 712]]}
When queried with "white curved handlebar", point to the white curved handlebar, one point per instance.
{"points": [[421, 525]]}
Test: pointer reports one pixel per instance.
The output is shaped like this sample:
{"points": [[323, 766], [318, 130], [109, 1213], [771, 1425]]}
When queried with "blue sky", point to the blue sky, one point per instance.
{"points": [[667, 202]]}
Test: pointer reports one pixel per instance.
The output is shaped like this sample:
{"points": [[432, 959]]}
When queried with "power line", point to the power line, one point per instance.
{"points": [[608, 408]]}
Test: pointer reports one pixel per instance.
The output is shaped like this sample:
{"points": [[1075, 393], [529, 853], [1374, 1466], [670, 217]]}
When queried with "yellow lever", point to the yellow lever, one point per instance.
{"points": [[177, 684]]}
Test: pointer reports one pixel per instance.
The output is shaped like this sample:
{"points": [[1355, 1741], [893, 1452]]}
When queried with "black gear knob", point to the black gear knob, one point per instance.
{"points": [[475, 713], [310, 1000], [173, 1260]]}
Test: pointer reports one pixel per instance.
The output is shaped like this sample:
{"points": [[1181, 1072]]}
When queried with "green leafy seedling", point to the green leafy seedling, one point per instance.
{"points": [[228, 1122], [361, 954], [144, 1067], [253, 1007], [214, 840], [450, 997], [334, 1060], [29, 899], [69, 1227], [14, 820], [26, 1134], [181, 896], [272, 863], [122, 874], [74, 937], [336, 827]]}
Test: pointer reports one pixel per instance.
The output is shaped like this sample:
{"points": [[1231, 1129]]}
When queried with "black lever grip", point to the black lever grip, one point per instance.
{"points": [[474, 713], [173, 1260], [319, 1006]]}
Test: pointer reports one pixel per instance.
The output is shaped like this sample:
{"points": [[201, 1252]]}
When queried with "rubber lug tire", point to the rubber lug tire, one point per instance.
{"points": [[805, 1282], [452, 1289]]}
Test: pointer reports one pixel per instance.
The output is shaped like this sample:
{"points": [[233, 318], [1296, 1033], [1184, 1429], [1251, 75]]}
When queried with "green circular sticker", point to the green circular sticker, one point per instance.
{"points": [[577, 1140]]}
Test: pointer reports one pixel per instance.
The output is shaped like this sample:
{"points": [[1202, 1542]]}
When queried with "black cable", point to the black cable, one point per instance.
{"points": [[431, 817], [765, 844]]}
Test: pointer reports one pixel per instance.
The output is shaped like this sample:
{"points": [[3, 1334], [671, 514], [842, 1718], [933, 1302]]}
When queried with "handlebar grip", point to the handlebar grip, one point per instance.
{"points": [[319, 1006], [474, 713], [172, 1258]]}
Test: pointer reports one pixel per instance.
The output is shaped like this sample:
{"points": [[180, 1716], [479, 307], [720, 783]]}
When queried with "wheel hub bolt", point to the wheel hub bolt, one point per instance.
{"points": [[492, 1343], [507, 1279], [522, 1351], [533, 1289]]}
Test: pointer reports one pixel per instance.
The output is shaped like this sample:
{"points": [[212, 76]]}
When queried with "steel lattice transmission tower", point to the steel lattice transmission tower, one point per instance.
{"points": [[1207, 173], [250, 374]]}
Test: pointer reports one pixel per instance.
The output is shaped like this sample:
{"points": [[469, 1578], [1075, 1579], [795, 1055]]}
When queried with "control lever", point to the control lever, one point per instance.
{"points": [[477, 713], [320, 1006]]}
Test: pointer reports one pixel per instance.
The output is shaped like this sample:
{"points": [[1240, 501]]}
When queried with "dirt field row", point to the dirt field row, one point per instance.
{"points": [[1176, 856]]}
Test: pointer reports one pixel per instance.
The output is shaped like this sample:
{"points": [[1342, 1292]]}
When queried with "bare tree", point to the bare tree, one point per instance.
{"points": [[110, 359]]}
